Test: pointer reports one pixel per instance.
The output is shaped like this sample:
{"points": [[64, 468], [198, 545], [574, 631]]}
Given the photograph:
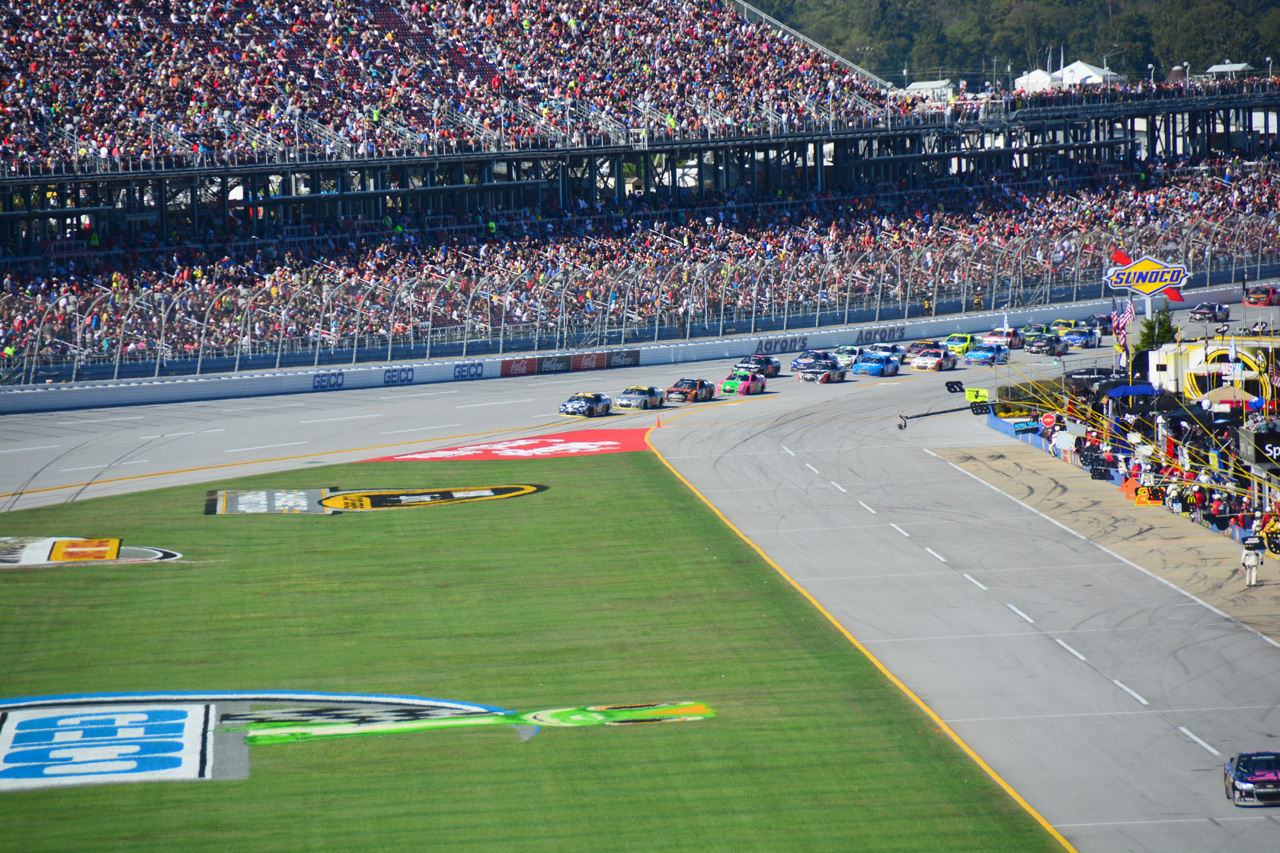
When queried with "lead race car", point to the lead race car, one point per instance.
{"points": [[587, 405], [742, 382], [809, 357], [691, 391], [822, 372], [640, 397], [1253, 778]]}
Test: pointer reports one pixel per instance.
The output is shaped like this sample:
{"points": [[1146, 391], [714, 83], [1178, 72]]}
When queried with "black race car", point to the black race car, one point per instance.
{"points": [[1210, 312], [1253, 778], [822, 370], [691, 391], [1048, 345], [766, 365]]}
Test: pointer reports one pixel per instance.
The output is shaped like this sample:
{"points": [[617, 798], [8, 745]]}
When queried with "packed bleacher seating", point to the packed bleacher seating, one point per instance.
{"points": [[508, 272]]}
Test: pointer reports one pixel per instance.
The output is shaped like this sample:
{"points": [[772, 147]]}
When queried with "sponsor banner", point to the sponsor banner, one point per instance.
{"points": [[555, 364], [468, 370], [53, 747], [328, 380], [87, 739], [397, 376], [584, 443], [18, 551], [335, 502], [518, 367], [881, 334], [780, 345], [1146, 276], [590, 361], [624, 358]]}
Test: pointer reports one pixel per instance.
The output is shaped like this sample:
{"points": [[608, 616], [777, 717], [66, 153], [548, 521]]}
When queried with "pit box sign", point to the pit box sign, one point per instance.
{"points": [[1026, 427], [335, 501], [1149, 496], [87, 739]]}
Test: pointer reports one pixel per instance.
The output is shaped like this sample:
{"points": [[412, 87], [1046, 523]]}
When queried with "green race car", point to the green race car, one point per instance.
{"points": [[960, 343]]}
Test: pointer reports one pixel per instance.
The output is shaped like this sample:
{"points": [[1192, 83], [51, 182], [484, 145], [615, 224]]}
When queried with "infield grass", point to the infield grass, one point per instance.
{"points": [[614, 586]]}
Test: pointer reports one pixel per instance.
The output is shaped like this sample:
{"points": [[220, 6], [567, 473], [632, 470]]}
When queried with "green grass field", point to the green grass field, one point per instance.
{"points": [[614, 586]]}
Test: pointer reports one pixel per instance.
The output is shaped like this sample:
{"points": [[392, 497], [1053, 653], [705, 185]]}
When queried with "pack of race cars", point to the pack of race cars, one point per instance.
{"points": [[821, 366]]}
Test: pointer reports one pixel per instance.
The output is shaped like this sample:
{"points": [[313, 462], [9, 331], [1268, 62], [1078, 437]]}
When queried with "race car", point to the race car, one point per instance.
{"points": [[742, 382], [892, 350], [847, 355], [587, 405], [1048, 345], [640, 397], [1086, 337], [1010, 338], [875, 364], [935, 359], [1059, 327], [1031, 331], [1262, 296], [960, 343], [691, 391], [987, 354], [828, 370], [1252, 778], [916, 347], [1102, 321], [1210, 312], [766, 365], [809, 357]]}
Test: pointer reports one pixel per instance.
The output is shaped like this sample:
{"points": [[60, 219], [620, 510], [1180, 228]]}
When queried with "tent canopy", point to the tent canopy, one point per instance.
{"points": [[1227, 394], [1132, 391]]}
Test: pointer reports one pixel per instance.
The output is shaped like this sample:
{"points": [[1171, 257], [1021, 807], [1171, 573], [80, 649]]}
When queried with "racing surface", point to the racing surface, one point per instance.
{"points": [[1106, 697]]}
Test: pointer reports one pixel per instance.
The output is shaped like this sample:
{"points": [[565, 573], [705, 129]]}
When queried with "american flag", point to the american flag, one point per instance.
{"points": [[1274, 374], [1120, 325]]}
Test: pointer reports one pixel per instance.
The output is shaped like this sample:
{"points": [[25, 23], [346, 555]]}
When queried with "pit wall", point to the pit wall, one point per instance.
{"points": [[93, 395]]}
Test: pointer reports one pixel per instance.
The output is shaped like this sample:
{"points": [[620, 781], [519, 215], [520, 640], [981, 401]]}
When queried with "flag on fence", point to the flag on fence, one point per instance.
{"points": [[1120, 329]]}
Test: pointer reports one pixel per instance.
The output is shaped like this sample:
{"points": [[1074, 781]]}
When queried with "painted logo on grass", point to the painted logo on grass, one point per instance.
{"points": [[336, 502], [85, 739], [22, 551], [583, 443]]}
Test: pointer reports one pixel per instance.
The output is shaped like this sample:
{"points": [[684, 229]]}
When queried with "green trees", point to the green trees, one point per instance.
{"points": [[1157, 331]]}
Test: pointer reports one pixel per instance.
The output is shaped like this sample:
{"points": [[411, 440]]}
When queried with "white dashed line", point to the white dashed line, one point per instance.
{"points": [[427, 394], [936, 554], [205, 431], [1068, 648], [867, 508], [136, 462], [498, 403], [811, 468], [348, 418], [82, 468], [420, 429], [100, 420], [263, 447], [900, 530], [838, 486], [1020, 613], [41, 447], [1130, 691], [970, 578], [789, 450], [1188, 733]]}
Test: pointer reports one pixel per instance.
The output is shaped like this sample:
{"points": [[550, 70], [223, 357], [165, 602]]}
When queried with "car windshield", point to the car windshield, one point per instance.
{"points": [[581, 398], [1260, 291], [986, 349], [1259, 763], [873, 358], [687, 383], [1034, 327], [637, 389], [957, 339], [930, 353], [739, 375]]}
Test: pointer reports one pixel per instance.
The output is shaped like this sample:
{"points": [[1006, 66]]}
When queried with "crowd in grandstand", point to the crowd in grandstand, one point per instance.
{"points": [[512, 271], [99, 84]]}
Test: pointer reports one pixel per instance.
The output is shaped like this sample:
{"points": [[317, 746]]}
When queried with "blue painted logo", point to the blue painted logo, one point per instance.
{"points": [[397, 376], [469, 370], [329, 380]]}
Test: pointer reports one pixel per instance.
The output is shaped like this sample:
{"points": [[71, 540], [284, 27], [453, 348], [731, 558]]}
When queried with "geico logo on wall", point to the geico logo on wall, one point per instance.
{"points": [[328, 380], [335, 502], [882, 334], [792, 344], [469, 370], [583, 443], [397, 376], [22, 551], [87, 739]]}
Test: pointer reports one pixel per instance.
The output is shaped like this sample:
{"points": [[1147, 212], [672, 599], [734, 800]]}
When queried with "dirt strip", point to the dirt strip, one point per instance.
{"points": [[1194, 558]]}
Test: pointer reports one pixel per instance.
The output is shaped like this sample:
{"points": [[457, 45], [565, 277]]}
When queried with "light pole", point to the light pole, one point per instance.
{"points": [[1152, 70], [1268, 68]]}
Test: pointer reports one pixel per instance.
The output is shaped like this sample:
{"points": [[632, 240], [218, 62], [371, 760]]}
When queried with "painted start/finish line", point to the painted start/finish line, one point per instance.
{"points": [[585, 443]]}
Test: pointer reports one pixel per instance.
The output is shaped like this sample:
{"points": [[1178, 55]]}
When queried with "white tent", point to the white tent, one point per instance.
{"points": [[1038, 80], [1081, 73], [1229, 69], [934, 90]]}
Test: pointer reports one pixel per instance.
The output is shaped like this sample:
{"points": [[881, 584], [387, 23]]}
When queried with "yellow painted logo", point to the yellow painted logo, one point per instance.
{"points": [[1146, 276]]}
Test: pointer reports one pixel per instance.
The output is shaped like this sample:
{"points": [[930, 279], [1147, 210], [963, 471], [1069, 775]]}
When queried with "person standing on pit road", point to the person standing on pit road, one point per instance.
{"points": [[1252, 556]]}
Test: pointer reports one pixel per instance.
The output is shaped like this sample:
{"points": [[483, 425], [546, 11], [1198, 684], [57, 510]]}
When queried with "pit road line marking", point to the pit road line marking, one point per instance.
{"points": [[867, 508], [811, 468], [403, 396], [263, 447], [1239, 708], [82, 468], [420, 429], [953, 637], [936, 554], [900, 530], [41, 447], [838, 486], [1186, 731], [1162, 820], [348, 418], [1104, 549], [136, 462], [1020, 613], [498, 403], [897, 682], [1068, 648], [971, 579], [100, 420], [1127, 689], [789, 450]]}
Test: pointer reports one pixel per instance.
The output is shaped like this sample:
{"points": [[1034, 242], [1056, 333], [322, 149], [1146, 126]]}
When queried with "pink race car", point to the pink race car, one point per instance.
{"points": [[742, 382]]}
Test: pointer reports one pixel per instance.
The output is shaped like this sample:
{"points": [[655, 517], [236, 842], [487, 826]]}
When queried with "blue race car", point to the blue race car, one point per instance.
{"points": [[1089, 337], [875, 364], [987, 354], [809, 357]]}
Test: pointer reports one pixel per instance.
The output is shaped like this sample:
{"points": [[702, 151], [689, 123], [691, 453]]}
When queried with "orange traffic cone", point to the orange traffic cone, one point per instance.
{"points": [[659, 423]]}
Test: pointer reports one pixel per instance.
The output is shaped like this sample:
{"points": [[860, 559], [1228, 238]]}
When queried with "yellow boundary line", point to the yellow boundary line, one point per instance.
{"points": [[897, 682]]}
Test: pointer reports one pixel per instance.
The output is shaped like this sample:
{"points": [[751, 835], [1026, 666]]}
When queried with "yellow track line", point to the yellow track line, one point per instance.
{"points": [[1017, 798]]}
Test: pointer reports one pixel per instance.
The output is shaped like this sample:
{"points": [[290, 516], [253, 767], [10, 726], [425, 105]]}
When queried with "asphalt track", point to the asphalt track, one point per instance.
{"points": [[1101, 694]]}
